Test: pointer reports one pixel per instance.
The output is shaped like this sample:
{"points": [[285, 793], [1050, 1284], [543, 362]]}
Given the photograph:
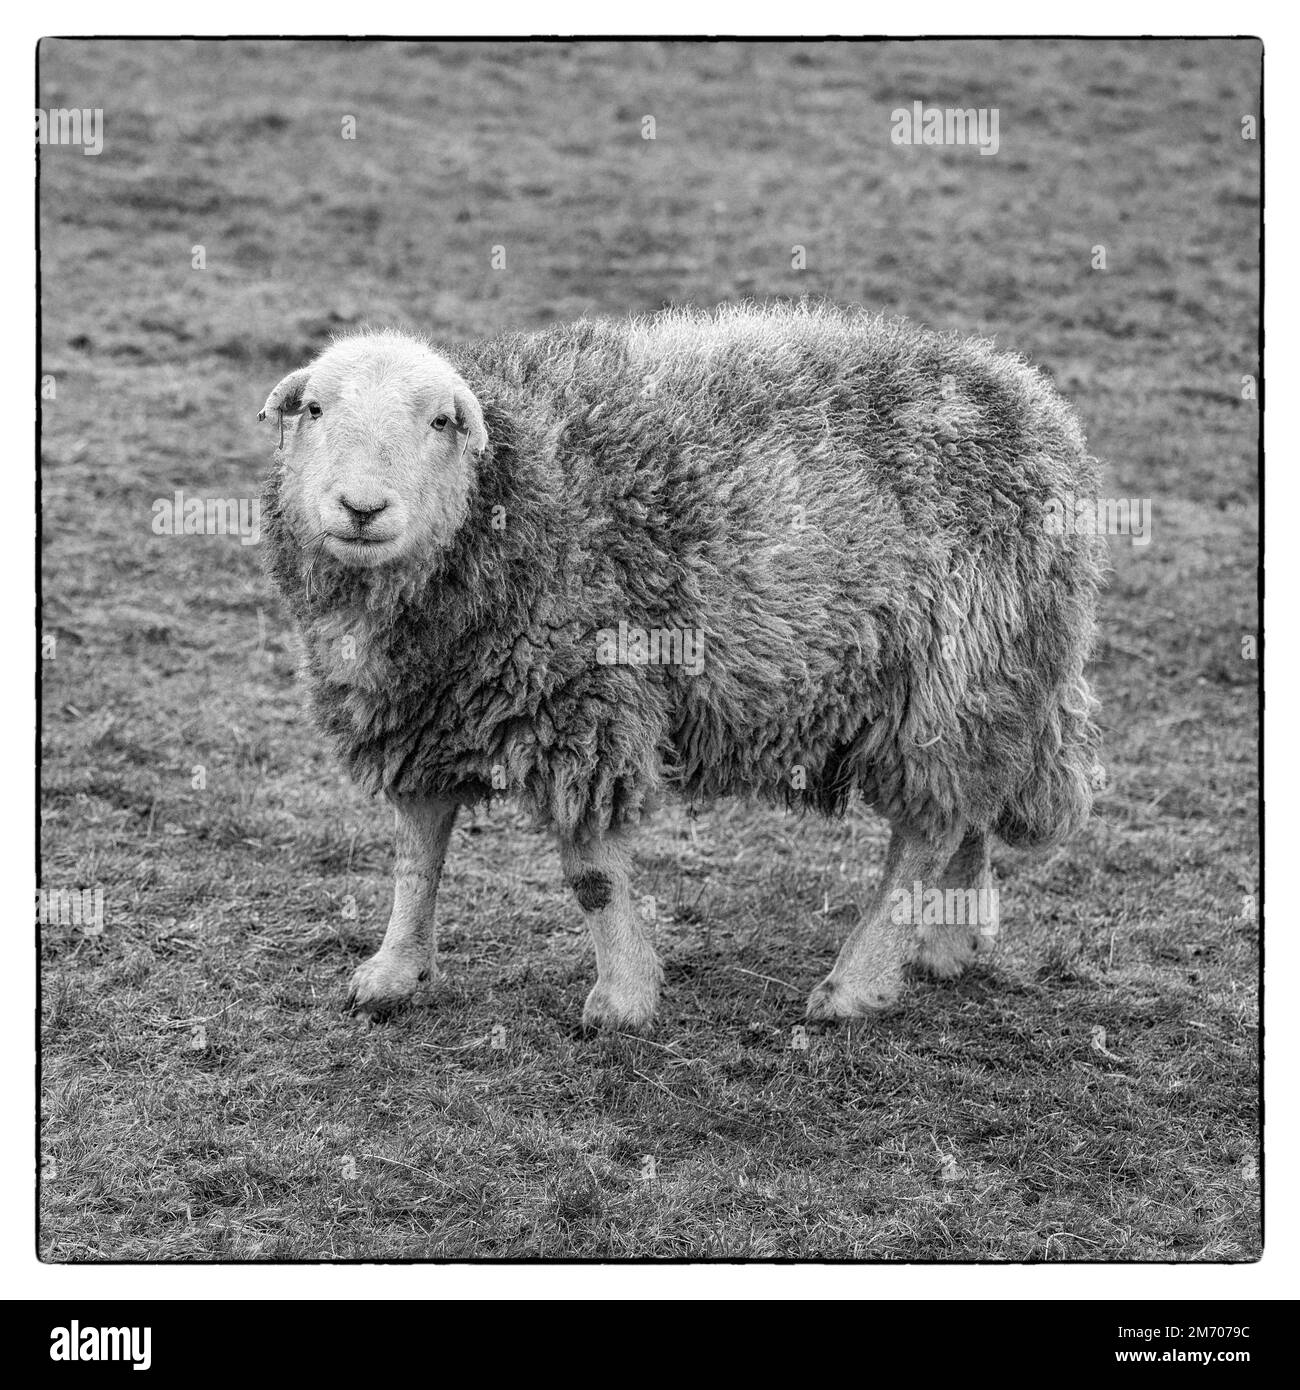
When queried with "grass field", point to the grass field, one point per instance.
{"points": [[203, 1096]]}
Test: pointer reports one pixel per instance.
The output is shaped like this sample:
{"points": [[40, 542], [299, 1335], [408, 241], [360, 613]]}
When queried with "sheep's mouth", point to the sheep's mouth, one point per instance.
{"points": [[368, 549]]}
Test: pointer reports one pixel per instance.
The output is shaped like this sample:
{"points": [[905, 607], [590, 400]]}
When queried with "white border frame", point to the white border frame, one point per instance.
{"points": [[23, 1277]]}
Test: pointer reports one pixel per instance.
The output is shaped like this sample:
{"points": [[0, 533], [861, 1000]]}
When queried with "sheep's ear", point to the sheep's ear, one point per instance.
{"points": [[287, 396], [469, 418]]}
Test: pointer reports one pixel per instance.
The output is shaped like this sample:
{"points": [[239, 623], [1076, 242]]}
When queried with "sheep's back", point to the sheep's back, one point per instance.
{"points": [[852, 511]]}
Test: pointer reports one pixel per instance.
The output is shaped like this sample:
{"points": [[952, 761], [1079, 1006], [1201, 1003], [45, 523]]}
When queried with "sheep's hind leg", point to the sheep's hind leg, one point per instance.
{"points": [[628, 972], [970, 911], [407, 957], [868, 973]]}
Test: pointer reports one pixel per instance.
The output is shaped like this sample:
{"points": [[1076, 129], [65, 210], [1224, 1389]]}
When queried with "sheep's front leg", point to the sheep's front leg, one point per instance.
{"points": [[947, 948], [407, 957], [627, 970], [869, 971]]}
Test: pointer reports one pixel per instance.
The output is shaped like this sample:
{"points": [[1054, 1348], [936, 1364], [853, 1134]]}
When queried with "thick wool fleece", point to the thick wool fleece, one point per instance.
{"points": [[852, 510]]}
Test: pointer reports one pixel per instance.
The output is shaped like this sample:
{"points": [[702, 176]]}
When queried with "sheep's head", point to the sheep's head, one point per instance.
{"points": [[378, 440]]}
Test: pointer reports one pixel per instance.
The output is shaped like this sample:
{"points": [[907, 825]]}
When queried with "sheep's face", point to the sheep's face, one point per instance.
{"points": [[380, 436]]}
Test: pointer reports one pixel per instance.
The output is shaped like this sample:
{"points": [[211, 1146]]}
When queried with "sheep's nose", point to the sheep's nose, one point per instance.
{"points": [[361, 513]]}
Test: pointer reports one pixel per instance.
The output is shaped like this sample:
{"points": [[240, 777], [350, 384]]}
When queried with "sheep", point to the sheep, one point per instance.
{"points": [[498, 558]]}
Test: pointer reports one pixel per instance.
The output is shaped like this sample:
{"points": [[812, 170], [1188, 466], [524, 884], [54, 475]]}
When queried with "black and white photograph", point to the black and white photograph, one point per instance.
{"points": [[649, 650]]}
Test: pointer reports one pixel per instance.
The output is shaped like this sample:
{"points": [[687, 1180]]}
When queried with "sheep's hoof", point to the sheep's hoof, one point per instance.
{"points": [[624, 1014], [945, 952], [382, 985], [836, 999]]}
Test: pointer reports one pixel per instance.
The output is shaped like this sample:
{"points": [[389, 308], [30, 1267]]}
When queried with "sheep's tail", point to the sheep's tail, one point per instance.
{"points": [[1056, 798]]}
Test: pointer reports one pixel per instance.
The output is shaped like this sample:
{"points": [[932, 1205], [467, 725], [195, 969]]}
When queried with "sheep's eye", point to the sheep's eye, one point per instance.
{"points": [[314, 410], [439, 422]]}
